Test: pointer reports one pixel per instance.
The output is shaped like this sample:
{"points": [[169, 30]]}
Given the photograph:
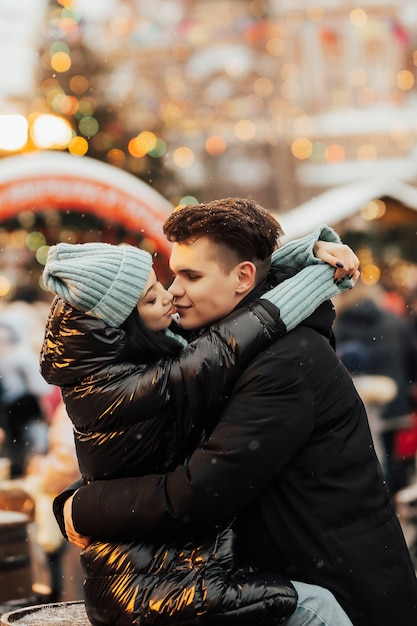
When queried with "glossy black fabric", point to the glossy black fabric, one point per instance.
{"points": [[132, 418], [193, 582]]}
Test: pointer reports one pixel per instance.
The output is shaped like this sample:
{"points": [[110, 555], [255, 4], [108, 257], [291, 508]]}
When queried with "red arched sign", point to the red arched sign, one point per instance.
{"points": [[56, 179]]}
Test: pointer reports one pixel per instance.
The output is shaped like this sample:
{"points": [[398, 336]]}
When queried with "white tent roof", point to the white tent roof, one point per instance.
{"points": [[342, 202]]}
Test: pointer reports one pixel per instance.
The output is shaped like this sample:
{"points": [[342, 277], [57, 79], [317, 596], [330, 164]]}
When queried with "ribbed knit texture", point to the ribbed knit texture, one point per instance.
{"points": [[299, 296], [299, 252], [101, 279]]}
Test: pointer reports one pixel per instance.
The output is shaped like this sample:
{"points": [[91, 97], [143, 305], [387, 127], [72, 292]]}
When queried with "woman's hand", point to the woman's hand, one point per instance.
{"points": [[340, 256], [73, 537]]}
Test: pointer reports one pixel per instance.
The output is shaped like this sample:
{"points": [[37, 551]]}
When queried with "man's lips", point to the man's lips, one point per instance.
{"points": [[181, 309]]}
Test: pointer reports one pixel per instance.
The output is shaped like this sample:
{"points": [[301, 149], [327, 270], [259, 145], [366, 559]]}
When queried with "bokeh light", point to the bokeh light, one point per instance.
{"points": [[183, 157], [5, 286], [61, 62], [302, 148], [215, 145], [35, 240], [51, 131], [78, 146], [245, 130], [13, 132], [370, 274]]}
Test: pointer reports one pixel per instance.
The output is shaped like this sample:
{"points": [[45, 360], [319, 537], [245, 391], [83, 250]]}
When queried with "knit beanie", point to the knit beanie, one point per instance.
{"points": [[100, 279]]}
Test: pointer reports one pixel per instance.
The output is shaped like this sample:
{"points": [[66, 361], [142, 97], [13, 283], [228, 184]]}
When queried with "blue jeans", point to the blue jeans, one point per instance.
{"points": [[316, 607]]}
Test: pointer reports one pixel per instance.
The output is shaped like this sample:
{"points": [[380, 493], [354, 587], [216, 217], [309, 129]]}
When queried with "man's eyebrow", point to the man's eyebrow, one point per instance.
{"points": [[187, 270]]}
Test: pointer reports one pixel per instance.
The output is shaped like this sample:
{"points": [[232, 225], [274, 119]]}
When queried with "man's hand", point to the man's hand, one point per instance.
{"points": [[337, 254], [73, 537]]}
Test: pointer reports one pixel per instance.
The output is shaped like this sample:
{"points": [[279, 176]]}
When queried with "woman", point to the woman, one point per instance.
{"points": [[132, 418]]}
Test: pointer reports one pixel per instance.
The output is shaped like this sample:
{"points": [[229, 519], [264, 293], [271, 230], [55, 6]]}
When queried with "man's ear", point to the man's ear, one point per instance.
{"points": [[246, 277]]}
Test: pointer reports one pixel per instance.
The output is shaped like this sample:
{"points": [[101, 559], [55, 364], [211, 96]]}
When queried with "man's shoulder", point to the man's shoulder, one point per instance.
{"points": [[300, 342]]}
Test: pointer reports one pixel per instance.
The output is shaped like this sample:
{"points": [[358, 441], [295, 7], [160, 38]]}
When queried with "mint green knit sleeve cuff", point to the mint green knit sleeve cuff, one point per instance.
{"points": [[298, 297], [183, 342], [299, 252]]}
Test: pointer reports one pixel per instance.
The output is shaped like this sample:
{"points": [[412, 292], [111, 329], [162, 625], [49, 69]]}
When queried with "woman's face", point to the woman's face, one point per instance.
{"points": [[155, 305]]}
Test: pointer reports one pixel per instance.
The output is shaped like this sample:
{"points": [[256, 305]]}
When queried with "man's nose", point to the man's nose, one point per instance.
{"points": [[175, 288]]}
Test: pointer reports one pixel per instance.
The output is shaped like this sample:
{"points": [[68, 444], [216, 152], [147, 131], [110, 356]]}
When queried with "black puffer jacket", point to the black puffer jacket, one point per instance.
{"points": [[131, 419]]}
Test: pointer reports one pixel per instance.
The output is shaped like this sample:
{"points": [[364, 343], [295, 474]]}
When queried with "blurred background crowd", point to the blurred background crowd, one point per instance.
{"points": [[114, 112]]}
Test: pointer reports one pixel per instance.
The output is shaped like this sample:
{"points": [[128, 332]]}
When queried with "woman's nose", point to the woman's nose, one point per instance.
{"points": [[167, 297]]}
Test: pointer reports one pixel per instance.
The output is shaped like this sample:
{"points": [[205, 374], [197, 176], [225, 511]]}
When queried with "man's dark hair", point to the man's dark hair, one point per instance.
{"points": [[241, 229]]}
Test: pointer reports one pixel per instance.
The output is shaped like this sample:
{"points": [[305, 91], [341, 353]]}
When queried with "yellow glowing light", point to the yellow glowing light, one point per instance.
{"points": [[358, 17], [405, 80], [373, 210], [215, 145], [137, 148], [370, 274], [183, 157], [335, 153], [13, 132], [51, 131], [61, 62], [142, 144], [302, 148], [78, 146], [245, 130], [4, 286]]}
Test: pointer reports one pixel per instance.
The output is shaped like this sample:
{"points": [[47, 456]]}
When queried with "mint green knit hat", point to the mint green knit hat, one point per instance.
{"points": [[100, 279]]}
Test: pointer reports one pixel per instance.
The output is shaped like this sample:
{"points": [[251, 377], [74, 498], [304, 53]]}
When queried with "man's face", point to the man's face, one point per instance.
{"points": [[203, 292]]}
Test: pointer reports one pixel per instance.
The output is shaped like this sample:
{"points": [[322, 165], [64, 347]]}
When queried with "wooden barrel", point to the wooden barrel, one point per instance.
{"points": [[15, 561], [56, 614]]}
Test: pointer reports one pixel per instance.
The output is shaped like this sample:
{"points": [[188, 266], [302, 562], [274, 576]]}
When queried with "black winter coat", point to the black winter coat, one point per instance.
{"points": [[132, 418], [292, 457]]}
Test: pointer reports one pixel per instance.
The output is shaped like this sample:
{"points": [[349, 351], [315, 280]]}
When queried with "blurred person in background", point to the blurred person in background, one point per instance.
{"points": [[46, 475], [376, 391], [391, 351], [25, 395]]}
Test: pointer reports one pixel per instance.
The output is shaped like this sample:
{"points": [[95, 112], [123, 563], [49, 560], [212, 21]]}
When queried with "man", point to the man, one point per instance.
{"points": [[291, 457]]}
